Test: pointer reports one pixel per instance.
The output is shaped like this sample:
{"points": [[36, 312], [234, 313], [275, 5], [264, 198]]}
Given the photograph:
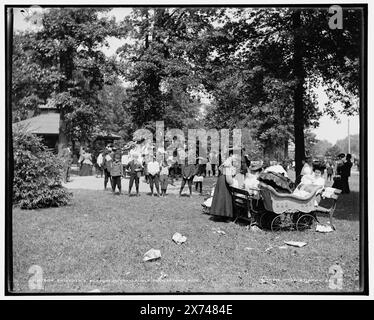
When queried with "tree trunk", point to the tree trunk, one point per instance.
{"points": [[66, 67], [299, 74], [146, 36], [285, 149], [62, 138]]}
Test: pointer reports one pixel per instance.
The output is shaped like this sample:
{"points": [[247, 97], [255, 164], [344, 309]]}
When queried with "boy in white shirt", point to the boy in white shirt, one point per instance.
{"points": [[125, 159], [153, 170]]}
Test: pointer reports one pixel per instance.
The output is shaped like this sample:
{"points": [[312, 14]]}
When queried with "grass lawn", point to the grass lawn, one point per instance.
{"points": [[98, 242]]}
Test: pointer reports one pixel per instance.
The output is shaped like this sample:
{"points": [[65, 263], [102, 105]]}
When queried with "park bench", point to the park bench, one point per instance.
{"points": [[246, 206]]}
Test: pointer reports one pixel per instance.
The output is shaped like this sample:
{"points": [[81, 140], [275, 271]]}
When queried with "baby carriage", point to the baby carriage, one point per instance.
{"points": [[288, 211]]}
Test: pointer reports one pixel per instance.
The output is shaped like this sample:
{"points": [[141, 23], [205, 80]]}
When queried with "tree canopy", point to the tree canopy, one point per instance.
{"points": [[62, 64], [258, 65]]}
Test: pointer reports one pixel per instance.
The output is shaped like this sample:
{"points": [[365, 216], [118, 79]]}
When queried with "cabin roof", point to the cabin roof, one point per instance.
{"points": [[48, 123]]}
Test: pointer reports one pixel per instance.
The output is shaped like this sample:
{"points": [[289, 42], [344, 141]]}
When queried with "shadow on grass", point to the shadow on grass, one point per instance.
{"points": [[347, 206], [220, 219], [133, 195], [184, 195]]}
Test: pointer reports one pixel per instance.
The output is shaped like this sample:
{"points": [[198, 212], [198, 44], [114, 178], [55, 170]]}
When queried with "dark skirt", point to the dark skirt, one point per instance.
{"points": [[222, 199], [86, 170], [337, 183], [164, 181], [344, 185]]}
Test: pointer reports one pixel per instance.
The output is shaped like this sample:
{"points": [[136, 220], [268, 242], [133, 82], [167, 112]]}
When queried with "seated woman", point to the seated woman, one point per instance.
{"points": [[251, 180], [310, 182], [248, 182]]}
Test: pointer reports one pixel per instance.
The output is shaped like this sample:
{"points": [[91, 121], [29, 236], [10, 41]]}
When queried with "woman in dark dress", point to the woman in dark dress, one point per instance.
{"points": [[345, 174], [222, 199], [338, 184]]}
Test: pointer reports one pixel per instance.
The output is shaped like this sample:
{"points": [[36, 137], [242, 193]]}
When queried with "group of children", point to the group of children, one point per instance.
{"points": [[115, 165]]}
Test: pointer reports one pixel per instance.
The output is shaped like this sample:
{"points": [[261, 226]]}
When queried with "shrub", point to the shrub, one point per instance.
{"points": [[37, 174]]}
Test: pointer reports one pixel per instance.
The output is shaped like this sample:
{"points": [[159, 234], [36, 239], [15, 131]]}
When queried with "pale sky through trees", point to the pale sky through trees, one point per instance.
{"points": [[328, 129]]}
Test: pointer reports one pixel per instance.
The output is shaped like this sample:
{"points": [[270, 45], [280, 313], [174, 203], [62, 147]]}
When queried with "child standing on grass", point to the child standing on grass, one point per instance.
{"points": [[208, 168], [99, 165], [107, 163], [330, 171], [199, 177], [164, 177], [153, 168], [116, 172], [134, 168], [188, 173], [125, 159]]}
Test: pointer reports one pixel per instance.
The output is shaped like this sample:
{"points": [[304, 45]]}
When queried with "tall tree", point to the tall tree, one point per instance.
{"points": [[113, 112], [297, 47], [67, 62], [158, 60]]}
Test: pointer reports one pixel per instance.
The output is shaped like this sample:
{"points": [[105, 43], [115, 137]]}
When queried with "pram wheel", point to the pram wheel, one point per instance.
{"points": [[277, 223], [305, 221], [263, 220]]}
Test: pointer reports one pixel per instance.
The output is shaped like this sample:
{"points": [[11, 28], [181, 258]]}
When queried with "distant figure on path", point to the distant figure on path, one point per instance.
{"points": [[329, 171], [346, 173], [338, 182], [107, 165], [86, 168], [99, 165]]}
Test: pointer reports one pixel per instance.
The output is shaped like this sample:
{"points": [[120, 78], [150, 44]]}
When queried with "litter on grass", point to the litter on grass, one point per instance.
{"points": [[255, 228], [295, 243], [218, 231], [324, 228], [162, 276], [178, 238], [152, 254]]}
